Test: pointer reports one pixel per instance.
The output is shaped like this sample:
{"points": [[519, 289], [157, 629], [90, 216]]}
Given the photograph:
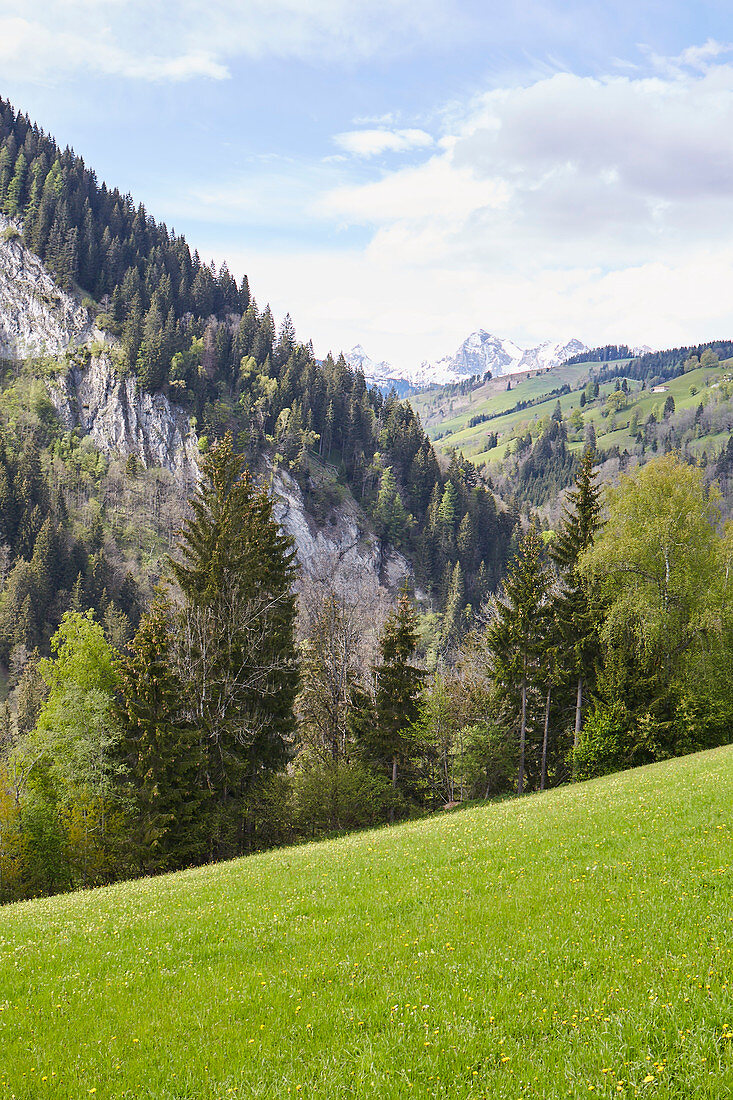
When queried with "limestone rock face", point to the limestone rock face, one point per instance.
{"points": [[123, 419], [343, 546], [36, 317]]}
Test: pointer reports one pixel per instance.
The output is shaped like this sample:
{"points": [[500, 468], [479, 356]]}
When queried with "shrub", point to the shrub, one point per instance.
{"points": [[340, 796]]}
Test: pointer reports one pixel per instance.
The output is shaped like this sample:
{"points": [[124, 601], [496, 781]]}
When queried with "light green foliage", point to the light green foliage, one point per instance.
{"points": [[655, 561], [570, 944], [660, 571], [82, 656], [65, 771], [613, 415]]}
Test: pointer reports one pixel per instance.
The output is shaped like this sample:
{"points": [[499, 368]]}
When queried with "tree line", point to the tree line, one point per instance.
{"points": [[229, 723]]}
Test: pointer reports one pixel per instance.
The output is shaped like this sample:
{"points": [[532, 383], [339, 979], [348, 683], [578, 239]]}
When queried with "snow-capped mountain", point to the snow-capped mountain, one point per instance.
{"points": [[480, 352], [382, 374]]}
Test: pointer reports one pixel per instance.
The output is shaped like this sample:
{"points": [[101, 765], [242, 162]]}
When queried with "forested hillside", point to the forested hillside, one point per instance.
{"points": [[527, 434], [191, 331], [179, 692]]}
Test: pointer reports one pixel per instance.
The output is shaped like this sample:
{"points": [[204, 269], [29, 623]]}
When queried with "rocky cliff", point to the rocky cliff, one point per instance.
{"points": [[105, 402], [123, 419], [36, 317], [344, 548]]}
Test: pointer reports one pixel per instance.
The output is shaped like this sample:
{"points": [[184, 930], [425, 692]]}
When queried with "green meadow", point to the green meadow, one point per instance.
{"points": [[571, 943], [449, 418], [442, 413]]}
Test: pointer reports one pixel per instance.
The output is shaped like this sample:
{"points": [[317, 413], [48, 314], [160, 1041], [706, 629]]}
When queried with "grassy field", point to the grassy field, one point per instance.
{"points": [[440, 413], [449, 418], [576, 943]]}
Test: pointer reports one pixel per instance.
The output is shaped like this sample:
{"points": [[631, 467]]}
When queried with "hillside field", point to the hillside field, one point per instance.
{"points": [[447, 418], [573, 943]]}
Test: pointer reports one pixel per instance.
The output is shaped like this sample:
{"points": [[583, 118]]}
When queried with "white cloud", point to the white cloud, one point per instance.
{"points": [[626, 171], [601, 207], [437, 192], [30, 49], [405, 315], [150, 41], [370, 143]]}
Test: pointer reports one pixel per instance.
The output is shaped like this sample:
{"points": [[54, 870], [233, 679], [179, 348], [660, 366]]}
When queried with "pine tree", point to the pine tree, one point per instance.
{"points": [[236, 569], [577, 621], [515, 636], [13, 205], [454, 605], [398, 689], [163, 751]]}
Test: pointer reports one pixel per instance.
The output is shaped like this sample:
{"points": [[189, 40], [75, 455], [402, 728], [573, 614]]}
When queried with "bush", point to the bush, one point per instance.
{"points": [[600, 750], [10, 233], [338, 796]]}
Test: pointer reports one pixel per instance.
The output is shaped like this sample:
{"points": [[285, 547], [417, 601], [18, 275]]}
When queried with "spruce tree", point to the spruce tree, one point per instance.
{"points": [[236, 570], [162, 750], [516, 634], [398, 689], [576, 618]]}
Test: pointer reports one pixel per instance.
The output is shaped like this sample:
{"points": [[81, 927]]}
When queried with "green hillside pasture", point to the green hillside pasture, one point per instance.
{"points": [[703, 380], [469, 440], [440, 413], [575, 943]]}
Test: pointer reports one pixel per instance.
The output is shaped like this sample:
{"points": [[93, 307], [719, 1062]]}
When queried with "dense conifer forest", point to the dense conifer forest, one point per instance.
{"points": [[190, 331]]}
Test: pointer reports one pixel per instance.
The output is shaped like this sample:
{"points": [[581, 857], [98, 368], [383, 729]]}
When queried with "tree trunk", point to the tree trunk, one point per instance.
{"points": [[394, 789], [543, 777], [578, 714], [522, 737]]}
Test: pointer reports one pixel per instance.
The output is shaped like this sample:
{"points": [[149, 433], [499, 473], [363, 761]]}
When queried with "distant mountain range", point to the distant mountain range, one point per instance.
{"points": [[480, 352]]}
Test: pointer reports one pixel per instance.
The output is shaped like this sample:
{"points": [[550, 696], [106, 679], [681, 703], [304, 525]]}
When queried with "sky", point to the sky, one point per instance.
{"points": [[399, 174]]}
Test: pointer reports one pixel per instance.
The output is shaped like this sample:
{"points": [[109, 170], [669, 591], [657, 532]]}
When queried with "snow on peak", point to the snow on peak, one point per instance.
{"points": [[480, 352]]}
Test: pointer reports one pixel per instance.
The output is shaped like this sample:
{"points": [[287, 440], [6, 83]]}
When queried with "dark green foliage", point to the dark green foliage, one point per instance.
{"points": [[48, 566], [384, 723], [605, 354], [542, 468], [189, 329], [340, 795], [663, 365], [577, 618], [516, 639], [162, 752], [236, 650]]}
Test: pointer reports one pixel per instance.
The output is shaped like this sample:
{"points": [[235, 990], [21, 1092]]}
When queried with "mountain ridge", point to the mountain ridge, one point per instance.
{"points": [[480, 352]]}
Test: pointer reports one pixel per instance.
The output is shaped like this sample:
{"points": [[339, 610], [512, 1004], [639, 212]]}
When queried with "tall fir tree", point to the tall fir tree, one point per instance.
{"points": [[516, 635], [576, 616], [236, 570], [162, 751], [386, 740]]}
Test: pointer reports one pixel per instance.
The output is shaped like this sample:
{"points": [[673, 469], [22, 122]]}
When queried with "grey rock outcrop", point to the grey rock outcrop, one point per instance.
{"points": [[123, 419], [36, 317], [94, 395], [343, 545]]}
